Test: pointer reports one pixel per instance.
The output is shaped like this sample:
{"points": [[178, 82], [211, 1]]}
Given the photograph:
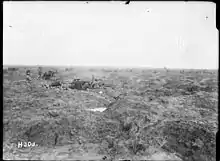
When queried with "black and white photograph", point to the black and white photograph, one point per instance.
{"points": [[110, 80]]}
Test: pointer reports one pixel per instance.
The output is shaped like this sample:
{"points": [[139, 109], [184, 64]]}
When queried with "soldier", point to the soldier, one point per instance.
{"points": [[28, 78], [50, 73], [39, 72], [93, 78], [45, 75], [28, 72], [64, 87], [86, 85]]}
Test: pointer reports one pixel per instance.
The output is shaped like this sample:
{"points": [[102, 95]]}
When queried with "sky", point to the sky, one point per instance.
{"points": [[150, 34]]}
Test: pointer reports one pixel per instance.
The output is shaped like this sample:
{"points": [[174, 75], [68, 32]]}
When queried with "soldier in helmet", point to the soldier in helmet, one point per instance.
{"points": [[28, 72], [39, 72], [28, 78]]}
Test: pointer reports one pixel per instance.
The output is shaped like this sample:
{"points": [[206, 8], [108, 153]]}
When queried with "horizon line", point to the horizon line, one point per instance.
{"points": [[107, 66]]}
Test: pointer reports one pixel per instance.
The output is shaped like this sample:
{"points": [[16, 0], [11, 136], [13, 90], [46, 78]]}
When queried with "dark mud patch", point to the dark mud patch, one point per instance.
{"points": [[56, 131], [192, 141]]}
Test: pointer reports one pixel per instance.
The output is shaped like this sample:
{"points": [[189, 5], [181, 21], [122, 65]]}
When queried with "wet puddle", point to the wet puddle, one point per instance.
{"points": [[99, 109]]}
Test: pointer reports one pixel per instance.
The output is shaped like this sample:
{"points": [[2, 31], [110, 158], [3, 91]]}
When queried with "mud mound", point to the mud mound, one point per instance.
{"points": [[131, 127], [48, 133], [140, 119], [190, 141], [206, 101]]}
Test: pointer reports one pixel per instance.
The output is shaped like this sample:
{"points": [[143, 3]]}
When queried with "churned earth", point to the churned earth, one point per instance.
{"points": [[138, 114]]}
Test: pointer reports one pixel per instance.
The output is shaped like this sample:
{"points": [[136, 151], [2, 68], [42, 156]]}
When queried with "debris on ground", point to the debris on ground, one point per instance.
{"points": [[110, 115]]}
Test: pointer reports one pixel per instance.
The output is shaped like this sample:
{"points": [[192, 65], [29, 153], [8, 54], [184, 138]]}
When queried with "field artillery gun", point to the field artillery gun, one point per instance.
{"points": [[48, 75], [84, 85], [80, 84], [12, 69]]}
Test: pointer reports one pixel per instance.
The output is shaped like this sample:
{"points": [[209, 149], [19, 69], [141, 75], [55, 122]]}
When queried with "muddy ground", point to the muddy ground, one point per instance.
{"points": [[158, 115]]}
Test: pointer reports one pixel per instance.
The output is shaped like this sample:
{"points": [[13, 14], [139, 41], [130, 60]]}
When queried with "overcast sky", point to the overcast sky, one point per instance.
{"points": [[151, 34]]}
